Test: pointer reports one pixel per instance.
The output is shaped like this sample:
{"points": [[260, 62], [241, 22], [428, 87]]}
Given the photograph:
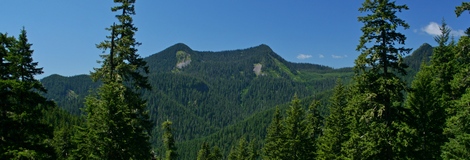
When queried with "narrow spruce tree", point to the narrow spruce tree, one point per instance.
{"points": [[314, 122], [244, 150], [117, 123], [379, 101], [335, 132], [273, 146], [232, 155], [295, 134], [240, 152], [253, 153], [429, 98], [204, 152], [23, 134], [169, 141], [215, 154], [443, 65], [426, 117]]}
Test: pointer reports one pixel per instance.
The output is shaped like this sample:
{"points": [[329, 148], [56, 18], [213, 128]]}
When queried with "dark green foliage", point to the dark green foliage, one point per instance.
{"points": [[62, 142], [294, 132], [207, 111], [253, 152], [216, 110], [23, 133], [204, 153], [379, 97], [169, 141], [428, 100], [215, 154], [69, 92], [420, 55], [64, 130], [114, 124], [314, 121], [117, 123], [426, 117], [465, 6], [244, 151], [458, 126], [335, 131], [274, 139], [443, 67]]}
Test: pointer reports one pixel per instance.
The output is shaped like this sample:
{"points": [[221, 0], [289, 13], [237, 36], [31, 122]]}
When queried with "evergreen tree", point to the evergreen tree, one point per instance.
{"points": [[335, 132], [23, 134], [273, 146], [215, 153], [240, 152], [294, 133], [204, 152], [62, 142], [117, 125], [313, 131], [458, 127], [426, 117], [429, 99], [378, 103], [443, 63], [232, 155], [252, 151], [169, 141]]}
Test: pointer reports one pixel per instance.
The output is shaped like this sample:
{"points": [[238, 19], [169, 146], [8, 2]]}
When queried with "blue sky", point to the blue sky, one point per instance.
{"points": [[64, 33]]}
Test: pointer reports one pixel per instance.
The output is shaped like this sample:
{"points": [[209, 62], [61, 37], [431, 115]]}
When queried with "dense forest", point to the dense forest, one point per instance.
{"points": [[242, 104]]}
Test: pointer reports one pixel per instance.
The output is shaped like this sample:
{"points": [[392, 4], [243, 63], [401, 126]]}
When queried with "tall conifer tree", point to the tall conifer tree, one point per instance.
{"points": [[169, 141], [429, 99], [426, 117], [117, 125], [204, 152], [273, 146], [22, 135], [295, 135], [335, 132], [380, 90], [457, 125], [314, 122]]}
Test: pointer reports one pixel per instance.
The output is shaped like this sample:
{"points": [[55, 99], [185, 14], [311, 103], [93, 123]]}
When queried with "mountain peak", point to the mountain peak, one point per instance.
{"points": [[180, 47], [262, 47]]}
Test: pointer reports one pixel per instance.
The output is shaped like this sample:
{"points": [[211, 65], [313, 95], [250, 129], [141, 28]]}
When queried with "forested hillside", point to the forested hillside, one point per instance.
{"points": [[395, 103], [219, 92]]}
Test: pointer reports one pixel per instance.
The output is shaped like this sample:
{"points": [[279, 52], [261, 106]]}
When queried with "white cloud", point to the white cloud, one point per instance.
{"points": [[433, 29], [338, 57], [304, 56], [321, 56], [457, 33]]}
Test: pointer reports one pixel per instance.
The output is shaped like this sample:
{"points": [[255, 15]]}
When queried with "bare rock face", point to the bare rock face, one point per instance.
{"points": [[184, 59], [257, 69]]}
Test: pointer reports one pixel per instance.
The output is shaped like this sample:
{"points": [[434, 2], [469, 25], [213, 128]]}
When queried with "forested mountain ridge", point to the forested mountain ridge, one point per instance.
{"points": [[203, 93]]}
